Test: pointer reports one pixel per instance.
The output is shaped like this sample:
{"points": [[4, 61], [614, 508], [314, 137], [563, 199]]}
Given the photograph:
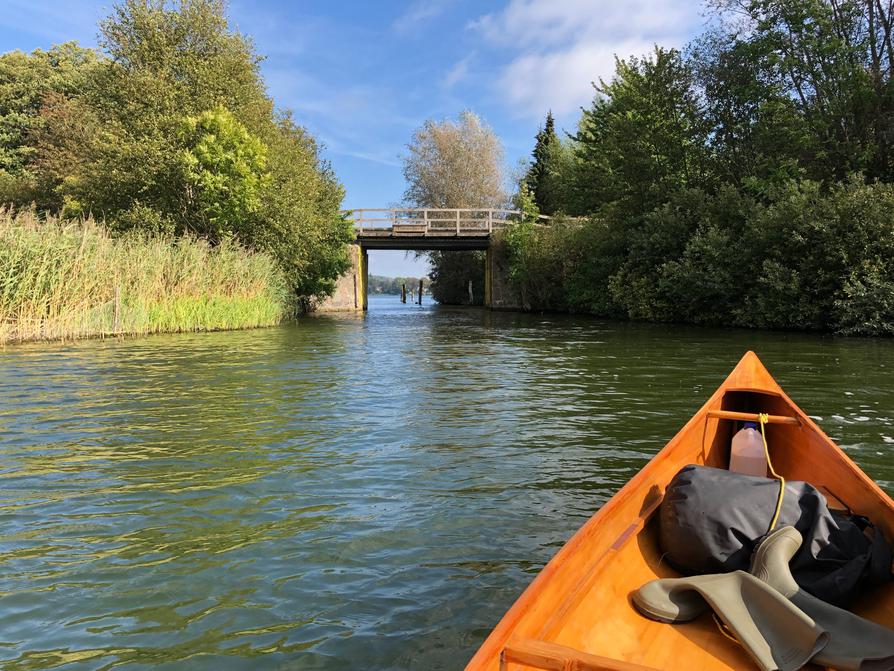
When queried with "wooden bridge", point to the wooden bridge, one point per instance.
{"points": [[424, 229], [429, 228]]}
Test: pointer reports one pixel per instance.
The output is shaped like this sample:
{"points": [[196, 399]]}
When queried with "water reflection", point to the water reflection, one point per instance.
{"points": [[345, 492]]}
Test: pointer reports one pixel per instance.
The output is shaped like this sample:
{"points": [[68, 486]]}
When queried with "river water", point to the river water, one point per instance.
{"points": [[347, 492]]}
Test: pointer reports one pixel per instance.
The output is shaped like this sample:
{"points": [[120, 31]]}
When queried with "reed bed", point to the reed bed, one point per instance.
{"points": [[61, 280]]}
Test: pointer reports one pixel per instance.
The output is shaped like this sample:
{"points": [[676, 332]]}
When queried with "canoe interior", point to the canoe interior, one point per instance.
{"points": [[578, 614]]}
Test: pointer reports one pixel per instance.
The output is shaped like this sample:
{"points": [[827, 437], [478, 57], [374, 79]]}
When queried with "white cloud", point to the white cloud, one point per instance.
{"points": [[562, 80], [458, 72], [419, 12], [560, 46]]}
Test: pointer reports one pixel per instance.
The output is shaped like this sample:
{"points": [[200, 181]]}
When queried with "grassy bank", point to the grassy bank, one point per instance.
{"points": [[71, 280]]}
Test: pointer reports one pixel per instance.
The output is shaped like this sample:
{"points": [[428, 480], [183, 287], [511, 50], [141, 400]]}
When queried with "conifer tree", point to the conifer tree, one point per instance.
{"points": [[543, 177]]}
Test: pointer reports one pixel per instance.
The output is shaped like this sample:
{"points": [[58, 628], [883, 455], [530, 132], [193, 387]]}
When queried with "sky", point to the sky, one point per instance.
{"points": [[362, 76]]}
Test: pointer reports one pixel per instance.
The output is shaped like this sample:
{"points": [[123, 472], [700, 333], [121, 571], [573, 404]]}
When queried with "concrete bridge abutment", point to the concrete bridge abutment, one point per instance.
{"points": [[352, 288], [499, 294]]}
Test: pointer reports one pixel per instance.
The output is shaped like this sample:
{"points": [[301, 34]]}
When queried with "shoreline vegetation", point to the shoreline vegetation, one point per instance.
{"points": [[745, 180], [381, 284], [157, 186], [72, 279]]}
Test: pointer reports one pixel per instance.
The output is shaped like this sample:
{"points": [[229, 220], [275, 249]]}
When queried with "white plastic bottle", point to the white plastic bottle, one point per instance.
{"points": [[747, 454]]}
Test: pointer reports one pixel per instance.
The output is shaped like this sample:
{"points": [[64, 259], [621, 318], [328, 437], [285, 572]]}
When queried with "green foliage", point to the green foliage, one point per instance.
{"points": [[225, 171], [72, 279], [524, 201], [805, 259], [27, 83], [643, 137], [747, 181], [450, 276], [171, 131], [548, 174]]}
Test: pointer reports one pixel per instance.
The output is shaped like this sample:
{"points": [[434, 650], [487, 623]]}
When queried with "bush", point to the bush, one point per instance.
{"points": [[806, 259]]}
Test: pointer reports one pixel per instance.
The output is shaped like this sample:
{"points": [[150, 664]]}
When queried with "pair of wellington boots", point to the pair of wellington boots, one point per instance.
{"points": [[781, 626]]}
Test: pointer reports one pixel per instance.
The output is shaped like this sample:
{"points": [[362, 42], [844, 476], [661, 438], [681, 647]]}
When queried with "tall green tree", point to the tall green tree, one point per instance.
{"points": [[225, 170], [548, 172], [833, 59], [756, 133], [643, 137], [29, 82]]}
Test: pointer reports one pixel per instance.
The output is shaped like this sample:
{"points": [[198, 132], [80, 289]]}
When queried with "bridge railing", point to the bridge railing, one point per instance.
{"points": [[431, 221]]}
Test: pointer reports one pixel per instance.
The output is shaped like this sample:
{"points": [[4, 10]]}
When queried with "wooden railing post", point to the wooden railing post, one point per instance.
{"points": [[425, 221], [457, 222], [490, 221]]}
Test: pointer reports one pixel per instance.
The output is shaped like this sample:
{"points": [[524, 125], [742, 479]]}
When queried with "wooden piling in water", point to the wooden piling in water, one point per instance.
{"points": [[420, 291], [403, 292]]}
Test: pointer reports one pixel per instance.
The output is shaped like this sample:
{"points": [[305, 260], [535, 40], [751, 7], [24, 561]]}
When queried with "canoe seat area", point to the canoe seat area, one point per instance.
{"points": [[601, 629], [604, 624]]}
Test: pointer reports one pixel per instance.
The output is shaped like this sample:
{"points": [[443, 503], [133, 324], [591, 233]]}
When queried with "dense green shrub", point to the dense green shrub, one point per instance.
{"points": [[806, 259]]}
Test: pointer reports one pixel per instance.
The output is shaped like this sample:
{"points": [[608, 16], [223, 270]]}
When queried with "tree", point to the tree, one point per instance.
{"points": [[756, 132], [173, 132], [643, 137], [833, 59], [27, 83], [548, 173], [225, 169], [455, 164]]}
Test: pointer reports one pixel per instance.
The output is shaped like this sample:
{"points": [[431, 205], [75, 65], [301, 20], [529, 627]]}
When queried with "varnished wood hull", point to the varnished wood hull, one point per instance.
{"points": [[577, 613]]}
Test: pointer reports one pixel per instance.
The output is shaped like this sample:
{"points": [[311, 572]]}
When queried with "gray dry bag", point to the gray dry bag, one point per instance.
{"points": [[712, 519]]}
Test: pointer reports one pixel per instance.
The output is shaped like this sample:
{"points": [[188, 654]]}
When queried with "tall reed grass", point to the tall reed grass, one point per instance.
{"points": [[62, 280]]}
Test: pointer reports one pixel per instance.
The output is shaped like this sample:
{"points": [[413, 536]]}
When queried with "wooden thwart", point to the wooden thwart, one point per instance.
{"points": [[553, 657], [752, 417]]}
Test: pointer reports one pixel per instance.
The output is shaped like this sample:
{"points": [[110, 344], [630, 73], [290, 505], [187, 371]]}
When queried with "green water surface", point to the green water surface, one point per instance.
{"points": [[347, 492]]}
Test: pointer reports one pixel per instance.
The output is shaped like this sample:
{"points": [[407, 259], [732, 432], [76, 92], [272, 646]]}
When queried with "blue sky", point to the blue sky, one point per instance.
{"points": [[361, 76]]}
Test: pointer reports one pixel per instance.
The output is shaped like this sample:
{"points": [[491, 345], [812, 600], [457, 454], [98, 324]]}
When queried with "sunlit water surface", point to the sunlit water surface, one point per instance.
{"points": [[346, 492]]}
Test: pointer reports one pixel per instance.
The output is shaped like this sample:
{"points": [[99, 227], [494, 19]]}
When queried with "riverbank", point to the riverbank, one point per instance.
{"points": [[61, 280], [804, 258]]}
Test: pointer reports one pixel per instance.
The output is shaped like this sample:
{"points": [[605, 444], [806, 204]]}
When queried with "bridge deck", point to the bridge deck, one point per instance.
{"points": [[429, 228]]}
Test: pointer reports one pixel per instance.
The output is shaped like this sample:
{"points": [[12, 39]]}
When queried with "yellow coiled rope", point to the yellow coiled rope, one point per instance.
{"points": [[764, 418]]}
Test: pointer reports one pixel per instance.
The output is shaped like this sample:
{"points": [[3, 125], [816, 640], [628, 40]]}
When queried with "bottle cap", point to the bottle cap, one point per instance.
{"points": [[751, 425]]}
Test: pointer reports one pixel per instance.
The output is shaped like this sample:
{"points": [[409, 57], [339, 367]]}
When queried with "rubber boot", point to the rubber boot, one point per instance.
{"points": [[855, 644], [776, 635]]}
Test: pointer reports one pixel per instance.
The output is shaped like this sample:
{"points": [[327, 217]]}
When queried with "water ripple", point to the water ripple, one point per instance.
{"points": [[345, 492]]}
